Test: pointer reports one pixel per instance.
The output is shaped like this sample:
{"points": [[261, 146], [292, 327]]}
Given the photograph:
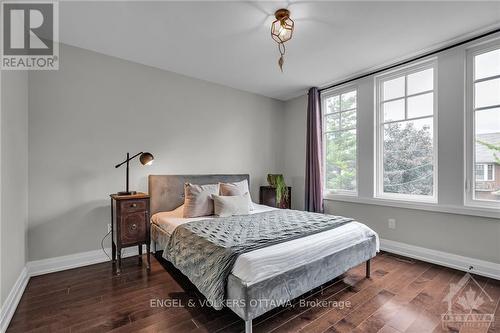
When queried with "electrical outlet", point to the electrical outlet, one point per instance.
{"points": [[109, 227], [392, 223]]}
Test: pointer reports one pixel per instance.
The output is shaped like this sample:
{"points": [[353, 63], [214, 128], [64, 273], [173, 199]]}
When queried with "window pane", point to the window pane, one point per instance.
{"points": [[394, 110], [488, 121], [348, 100], [421, 81], [490, 172], [421, 105], [332, 104], [340, 173], [487, 93], [408, 157], [394, 88], [348, 119], [487, 64], [487, 154], [332, 122], [479, 172]]}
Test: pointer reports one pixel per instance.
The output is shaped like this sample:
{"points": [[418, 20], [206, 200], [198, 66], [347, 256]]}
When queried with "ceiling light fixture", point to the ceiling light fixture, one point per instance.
{"points": [[281, 32]]}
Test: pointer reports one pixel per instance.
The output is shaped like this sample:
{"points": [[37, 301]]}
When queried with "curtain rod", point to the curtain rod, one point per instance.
{"points": [[404, 62]]}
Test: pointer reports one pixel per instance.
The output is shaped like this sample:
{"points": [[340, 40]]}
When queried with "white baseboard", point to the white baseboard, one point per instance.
{"points": [[480, 267], [45, 266], [62, 263], [12, 300]]}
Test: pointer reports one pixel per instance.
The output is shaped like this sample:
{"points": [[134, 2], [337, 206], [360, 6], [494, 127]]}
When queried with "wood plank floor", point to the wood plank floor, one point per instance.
{"points": [[403, 295]]}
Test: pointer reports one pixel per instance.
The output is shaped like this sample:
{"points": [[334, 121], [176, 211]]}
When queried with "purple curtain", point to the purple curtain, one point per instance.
{"points": [[314, 156]]}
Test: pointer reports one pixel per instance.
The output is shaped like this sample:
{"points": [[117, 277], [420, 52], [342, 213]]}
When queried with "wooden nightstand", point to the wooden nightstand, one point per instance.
{"points": [[267, 196], [129, 225]]}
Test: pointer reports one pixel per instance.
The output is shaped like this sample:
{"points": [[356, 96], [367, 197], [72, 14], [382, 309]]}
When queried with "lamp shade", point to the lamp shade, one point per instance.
{"points": [[282, 28], [146, 158]]}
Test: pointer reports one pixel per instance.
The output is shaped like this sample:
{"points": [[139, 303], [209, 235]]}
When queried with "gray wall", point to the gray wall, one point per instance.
{"points": [[14, 177], [469, 236], [86, 116], [294, 152], [461, 234]]}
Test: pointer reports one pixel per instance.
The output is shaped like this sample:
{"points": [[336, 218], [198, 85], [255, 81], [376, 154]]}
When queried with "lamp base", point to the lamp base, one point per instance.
{"points": [[127, 193]]}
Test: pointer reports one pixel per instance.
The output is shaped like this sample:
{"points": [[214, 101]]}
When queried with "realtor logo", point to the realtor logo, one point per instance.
{"points": [[30, 35], [469, 306]]}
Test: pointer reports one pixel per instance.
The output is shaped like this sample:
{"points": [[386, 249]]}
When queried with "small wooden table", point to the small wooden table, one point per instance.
{"points": [[129, 225], [267, 196]]}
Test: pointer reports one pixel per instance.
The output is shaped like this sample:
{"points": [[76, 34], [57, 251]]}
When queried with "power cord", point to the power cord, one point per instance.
{"points": [[102, 244]]}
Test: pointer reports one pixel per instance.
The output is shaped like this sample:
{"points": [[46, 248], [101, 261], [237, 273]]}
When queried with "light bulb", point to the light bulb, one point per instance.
{"points": [[282, 30]]}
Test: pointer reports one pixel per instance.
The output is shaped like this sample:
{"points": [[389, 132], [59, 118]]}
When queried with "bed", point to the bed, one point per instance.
{"points": [[269, 276]]}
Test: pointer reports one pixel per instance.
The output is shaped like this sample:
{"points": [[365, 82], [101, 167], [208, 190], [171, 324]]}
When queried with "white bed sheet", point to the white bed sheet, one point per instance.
{"points": [[257, 265]]}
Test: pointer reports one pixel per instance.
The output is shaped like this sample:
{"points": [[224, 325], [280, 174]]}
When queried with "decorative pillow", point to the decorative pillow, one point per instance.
{"points": [[231, 205], [237, 188], [198, 199]]}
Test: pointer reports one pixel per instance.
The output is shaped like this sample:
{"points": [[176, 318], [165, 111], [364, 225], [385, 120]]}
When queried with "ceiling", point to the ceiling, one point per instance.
{"points": [[229, 42]]}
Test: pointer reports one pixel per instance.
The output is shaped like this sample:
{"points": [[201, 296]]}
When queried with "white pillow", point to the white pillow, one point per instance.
{"points": [[231, 205], [198, 199], [236, 188]]}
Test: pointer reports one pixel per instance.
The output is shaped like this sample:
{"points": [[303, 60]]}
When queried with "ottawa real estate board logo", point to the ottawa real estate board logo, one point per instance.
{"points": [[30, 35], [470, 307]]}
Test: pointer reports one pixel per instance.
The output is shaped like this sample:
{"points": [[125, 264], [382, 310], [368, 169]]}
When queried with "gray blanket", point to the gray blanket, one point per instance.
{"points": [[205, 251]]}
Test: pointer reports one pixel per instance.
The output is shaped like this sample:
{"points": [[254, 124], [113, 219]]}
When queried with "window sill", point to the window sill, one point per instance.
{"points": [[410, 199], [347, 194], [432, 207]]}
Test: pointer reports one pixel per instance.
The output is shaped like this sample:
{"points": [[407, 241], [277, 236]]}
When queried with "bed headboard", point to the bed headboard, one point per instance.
{"points": [[167, 191]]}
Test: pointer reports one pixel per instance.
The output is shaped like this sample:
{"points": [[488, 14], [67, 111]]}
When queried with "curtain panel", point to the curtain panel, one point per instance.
{"points": [[314, 155]]}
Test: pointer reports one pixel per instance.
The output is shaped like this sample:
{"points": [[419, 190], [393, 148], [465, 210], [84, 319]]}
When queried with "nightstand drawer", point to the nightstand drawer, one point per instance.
{"points": [[130, 206], [133, 228]]}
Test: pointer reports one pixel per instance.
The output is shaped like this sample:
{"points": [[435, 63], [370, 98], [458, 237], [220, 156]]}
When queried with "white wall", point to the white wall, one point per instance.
{"points": [[14, 177], [86, 116], [461, 234]]}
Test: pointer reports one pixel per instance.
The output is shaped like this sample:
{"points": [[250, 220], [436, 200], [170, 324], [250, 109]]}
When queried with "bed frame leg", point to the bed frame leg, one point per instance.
{"points": [[368, 269], [248, 326]]}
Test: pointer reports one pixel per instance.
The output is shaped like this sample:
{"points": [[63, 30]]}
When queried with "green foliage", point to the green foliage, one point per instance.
{"points": [[341, 160], [341, 143], [494, 148], [278, 181], [408, 159]]}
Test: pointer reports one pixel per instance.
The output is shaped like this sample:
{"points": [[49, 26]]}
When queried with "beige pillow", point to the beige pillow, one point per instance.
{"points": [[236, 188], [231, 205], [198, 199]]}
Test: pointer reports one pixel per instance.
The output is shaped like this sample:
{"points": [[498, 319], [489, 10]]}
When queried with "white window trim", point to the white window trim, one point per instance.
{"points": [[431, 207], [378, 168], [331, 194], [469, 129]]}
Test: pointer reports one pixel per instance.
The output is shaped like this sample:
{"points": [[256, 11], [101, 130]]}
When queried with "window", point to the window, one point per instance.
{"points": [[483, 126], [485, 172], [339, 138], [406, 134]]}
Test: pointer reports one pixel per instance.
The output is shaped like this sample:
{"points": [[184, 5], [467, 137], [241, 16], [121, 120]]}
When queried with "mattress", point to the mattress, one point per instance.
{"points": [[258, 265]]}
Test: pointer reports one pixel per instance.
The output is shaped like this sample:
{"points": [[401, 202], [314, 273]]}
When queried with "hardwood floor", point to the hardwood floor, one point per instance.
{"points": [[402, 295]]}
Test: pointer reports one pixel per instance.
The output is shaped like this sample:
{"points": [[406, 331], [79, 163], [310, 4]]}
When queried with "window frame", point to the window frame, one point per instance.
{"points": [[470, 127], [327, 193], [379, 140]]}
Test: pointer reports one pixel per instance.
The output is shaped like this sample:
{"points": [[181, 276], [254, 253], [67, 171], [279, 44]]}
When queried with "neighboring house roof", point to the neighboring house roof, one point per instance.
{"points": [[483, 153]]}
